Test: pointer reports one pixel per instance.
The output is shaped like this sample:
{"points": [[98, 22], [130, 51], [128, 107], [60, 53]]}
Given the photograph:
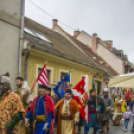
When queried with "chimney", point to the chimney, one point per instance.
{"points": [[108, 46], [54, 23], [94, 42], [76, 33]]}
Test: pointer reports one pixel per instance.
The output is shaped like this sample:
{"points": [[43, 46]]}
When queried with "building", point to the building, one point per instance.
{"points": [[116, 60], [86, 49], [42, 44], [10, 25]]}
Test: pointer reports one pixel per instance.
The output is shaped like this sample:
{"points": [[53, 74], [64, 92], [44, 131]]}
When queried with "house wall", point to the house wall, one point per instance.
{"points": [[32, 71], [85, 39], [115, 62], [9, 37]]}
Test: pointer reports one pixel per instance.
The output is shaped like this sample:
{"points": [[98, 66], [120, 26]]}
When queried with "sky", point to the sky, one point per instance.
{"points": [[110, 19]]}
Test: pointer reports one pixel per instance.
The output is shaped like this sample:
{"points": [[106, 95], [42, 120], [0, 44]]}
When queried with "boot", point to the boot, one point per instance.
{"points": [[79, 130], [101, 131], [85, 132], [107, 126]]}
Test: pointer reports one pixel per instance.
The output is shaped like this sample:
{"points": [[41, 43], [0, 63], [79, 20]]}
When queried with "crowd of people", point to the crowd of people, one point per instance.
{"points": [[21, 113]]}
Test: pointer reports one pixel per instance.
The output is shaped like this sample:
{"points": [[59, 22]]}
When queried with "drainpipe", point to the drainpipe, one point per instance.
{"points": [[21, 33], [26, 62]]}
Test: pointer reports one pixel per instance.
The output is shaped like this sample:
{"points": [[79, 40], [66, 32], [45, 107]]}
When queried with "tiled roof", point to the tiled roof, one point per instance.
{"points": [[88, 50], [59, 45]]}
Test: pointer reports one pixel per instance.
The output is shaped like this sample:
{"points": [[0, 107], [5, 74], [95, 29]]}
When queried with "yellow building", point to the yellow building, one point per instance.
{"points": [[41, 44]]}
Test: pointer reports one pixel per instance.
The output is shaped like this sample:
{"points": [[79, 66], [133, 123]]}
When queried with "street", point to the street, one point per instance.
{"points": [[114, 129], [66, 62]]}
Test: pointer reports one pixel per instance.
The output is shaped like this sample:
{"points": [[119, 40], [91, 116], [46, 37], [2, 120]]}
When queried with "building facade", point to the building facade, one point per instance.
{"points": [[114, 58], [62, 56], [10, 20], [86, 49]]}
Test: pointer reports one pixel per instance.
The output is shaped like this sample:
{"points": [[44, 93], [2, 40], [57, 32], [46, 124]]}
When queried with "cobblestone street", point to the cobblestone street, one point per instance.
{"points": [[114, 129]]}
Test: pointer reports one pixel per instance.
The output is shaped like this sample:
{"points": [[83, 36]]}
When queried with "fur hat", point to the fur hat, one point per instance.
{"points": [[43, 86], [48, 88], [68, 91], [5, 78]]}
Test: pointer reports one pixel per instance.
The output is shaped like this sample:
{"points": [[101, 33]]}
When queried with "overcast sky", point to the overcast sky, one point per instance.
{"points": [[110, 19]]}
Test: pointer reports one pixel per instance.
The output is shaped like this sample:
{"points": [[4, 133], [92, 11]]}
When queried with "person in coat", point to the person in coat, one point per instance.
{"points": [[68, 114], [95, 106], [105, 115], [11, 108]]}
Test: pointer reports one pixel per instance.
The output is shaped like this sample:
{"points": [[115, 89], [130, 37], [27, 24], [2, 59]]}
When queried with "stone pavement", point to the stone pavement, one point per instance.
{"points": [[115, 129]]}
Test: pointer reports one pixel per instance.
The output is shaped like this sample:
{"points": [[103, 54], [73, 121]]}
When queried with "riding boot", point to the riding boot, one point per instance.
{"points": [[102, 128]]}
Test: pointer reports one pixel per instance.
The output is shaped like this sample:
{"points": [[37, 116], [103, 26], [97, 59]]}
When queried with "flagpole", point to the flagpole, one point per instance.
{"points": [[33, 85], [36, 79]]}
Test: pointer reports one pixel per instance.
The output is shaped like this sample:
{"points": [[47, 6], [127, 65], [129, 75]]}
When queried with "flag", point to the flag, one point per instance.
{"points": [[127, 96], [43, 78], [126, 90], [61, 86], [79, 93]]}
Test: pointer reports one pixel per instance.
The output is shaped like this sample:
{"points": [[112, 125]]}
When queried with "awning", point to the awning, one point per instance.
{"points": [[126, 80]]}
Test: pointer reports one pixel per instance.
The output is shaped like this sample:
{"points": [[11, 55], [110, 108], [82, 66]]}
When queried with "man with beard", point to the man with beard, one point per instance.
{"points": [[105, 115], [26, 97], [42, 110], [95, 106], [24, 92], [11, 109]]}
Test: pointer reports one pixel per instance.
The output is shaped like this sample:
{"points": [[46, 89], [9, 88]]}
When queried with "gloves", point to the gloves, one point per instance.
{"points": [[27, 124], [45, 127]]}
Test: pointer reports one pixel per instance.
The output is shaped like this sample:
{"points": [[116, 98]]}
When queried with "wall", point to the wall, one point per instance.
{"points": [[115, 62], [35, 61], [9, 37], [85, 38]]}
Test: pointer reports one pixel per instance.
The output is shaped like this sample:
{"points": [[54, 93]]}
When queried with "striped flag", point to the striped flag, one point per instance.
{"points": [[43, 78]]}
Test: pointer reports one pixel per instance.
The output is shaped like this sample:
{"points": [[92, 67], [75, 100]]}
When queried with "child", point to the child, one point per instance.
{"points": [[126, 116]]}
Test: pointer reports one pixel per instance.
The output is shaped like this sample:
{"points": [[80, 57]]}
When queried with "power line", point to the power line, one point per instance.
{"points": [[49, 14]]}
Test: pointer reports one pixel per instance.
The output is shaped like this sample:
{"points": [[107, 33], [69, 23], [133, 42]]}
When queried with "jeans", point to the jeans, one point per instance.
{"points": [[126, 123]]}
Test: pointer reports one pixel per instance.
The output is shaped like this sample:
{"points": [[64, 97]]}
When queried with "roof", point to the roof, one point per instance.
{"points": [[110, 71], [98, 60], [56, 44], [117, 51]]}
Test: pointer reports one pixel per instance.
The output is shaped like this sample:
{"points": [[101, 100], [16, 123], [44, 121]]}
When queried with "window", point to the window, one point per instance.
{"points": [[62, 75], [97, 85], [50, 73]]}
